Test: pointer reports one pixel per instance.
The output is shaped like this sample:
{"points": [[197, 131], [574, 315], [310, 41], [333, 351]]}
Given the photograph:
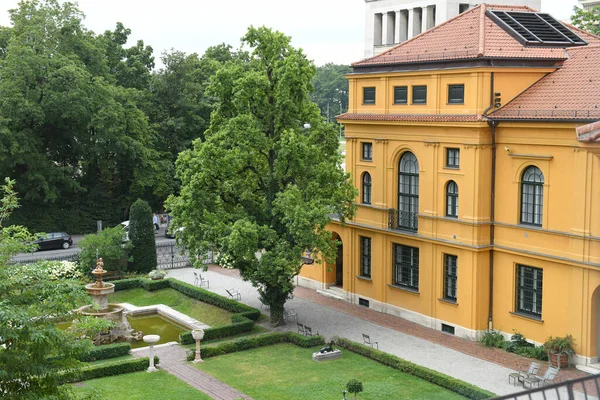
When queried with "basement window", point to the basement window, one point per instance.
{"points": [[448, 329]]}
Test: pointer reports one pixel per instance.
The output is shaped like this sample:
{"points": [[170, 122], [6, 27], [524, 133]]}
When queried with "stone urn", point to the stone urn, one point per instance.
{"points": [[198, 335]]}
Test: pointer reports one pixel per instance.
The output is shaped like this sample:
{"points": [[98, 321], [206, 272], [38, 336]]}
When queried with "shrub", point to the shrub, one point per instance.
{"points": [[125, 284], [109, 369], [354, 386], [517, 342], [157, 274], [493, 338], [258, 341], [437, 378], [107, 244], [240, 325], [141, 234], [560, 344], [106, 352]]}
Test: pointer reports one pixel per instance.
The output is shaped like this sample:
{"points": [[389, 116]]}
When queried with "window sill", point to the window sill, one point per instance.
{"points": [[404, 289], [451, 217], [532, 226], [364, 278], [366, 159], [400, 104], [452, 167], [368, 104], [419, 104], [455, 104], [527, 317], [449, 302]]}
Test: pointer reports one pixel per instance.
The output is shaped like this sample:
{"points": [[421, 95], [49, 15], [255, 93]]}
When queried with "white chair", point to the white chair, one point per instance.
{"points": [[290, 313], [234, 294]]}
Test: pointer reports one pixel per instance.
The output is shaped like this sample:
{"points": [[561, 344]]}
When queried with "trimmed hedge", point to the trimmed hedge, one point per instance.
{"points": [[242, 321], [244, 325], [254, 342], [437, 378], [106, 352], [109, 369]]}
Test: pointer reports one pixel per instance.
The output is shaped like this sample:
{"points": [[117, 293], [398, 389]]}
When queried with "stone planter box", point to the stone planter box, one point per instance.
{"points": [[331, 355]]}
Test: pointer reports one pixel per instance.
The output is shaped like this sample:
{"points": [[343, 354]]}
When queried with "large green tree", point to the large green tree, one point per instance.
{"points": [[74, 129], [262, 184], [141, 234], [587, 20], [331, 89], [34, 353]]}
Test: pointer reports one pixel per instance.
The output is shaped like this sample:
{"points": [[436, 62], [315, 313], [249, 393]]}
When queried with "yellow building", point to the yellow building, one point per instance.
{"points": [[479, 202]]}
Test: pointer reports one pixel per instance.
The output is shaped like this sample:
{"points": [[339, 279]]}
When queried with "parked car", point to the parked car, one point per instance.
{"points": [[172, 234], [54, 240]]}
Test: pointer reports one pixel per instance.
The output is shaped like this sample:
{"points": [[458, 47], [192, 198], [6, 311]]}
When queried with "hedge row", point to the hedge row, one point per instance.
{"points": [[106, 352], [244, 325], [109, 369], [437, 378], [268, 339], [148, 284]]}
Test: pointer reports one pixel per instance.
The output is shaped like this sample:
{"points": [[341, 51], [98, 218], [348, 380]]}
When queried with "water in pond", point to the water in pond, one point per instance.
{"points": [[149, 324]]}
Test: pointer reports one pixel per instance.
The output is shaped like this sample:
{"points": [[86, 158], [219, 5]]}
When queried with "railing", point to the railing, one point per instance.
{"points": [[41, 257], [587, 387], [402, 220], [169, 256]]}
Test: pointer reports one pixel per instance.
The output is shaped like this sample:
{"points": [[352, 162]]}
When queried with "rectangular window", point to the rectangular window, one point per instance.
{"points": [[419, 94], [450, 276], [406, 266], [367, 151], [456, 94], [365, 257], [452, 158], [400, 94], [369, 95], [529, 290]]}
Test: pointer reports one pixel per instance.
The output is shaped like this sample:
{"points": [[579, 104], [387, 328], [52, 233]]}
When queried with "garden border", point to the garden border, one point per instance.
{"points": [[242, 320], [108, 369]]}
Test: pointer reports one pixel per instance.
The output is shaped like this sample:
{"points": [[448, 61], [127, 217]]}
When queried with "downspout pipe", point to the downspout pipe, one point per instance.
{"points": [[492, 125]]}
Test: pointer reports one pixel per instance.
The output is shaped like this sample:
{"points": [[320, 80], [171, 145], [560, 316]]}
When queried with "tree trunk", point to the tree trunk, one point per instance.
{"points": [[277, 315]]}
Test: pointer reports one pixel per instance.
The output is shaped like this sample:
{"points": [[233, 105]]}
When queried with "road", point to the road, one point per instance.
{"points": [[160, 238]]}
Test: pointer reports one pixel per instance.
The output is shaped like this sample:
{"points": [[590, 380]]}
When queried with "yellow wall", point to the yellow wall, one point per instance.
{"points": [[566, 246]]}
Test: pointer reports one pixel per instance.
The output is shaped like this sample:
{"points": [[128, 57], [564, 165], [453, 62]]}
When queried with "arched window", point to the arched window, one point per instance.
{"points": [[408, 191], [452, 199], [366, 188], [532, 196]]}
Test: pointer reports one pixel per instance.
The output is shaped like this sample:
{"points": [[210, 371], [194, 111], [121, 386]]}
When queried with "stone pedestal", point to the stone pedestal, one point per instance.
{"points": [[330, 355], [151, 339]]}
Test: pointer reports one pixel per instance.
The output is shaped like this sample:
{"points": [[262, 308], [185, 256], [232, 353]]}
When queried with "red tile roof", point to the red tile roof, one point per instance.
{"points": [[589, 132], [412, 117], [469, 35], [571, 92]]}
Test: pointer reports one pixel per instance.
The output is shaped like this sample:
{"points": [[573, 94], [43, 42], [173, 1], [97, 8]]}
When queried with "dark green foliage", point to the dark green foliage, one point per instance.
{"points": [[331, 90], [141, 235], [260, 182], [108, 245], [131, 283], [106, 352], [354, 386], [493, 338], [259, 341], [437, 378], [239, 325], [110, 369], [517, 341]]}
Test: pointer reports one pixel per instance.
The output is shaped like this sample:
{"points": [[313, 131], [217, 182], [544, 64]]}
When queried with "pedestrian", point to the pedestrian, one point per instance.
{"points": [[155, 221]]}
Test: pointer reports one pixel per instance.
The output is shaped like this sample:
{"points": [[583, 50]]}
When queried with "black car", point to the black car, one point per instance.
{"points": [[54, 240]]}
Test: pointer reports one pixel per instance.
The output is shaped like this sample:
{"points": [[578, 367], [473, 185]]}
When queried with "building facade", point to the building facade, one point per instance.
{"points": [[588, 5], [389, 22], [479, 202]]}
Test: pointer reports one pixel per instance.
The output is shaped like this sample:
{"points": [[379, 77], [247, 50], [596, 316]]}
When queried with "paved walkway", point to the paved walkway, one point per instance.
{"points": [[460, 358], [173, 360]]}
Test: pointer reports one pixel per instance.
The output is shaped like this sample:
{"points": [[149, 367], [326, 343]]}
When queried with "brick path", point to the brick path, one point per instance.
{"points": [[173, 360]]}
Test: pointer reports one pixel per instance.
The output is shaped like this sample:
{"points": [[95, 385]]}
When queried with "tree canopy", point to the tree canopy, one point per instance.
{"points": [[587, 20], [331, 89], [262, 184]]}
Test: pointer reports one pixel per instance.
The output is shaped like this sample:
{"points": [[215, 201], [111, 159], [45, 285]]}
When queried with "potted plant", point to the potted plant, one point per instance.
{"points": [[157, 274], [559, 349]]}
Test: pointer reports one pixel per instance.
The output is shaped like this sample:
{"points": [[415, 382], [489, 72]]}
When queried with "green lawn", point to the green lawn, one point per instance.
{"points": [[139, 385], [287, 372], [205, 313]]}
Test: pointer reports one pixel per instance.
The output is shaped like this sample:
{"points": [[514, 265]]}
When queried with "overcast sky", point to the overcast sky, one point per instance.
{"points": [[327, 30]]}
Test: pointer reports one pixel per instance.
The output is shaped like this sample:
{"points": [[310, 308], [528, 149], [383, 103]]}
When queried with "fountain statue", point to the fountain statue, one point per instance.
{"points": [[100, 308]]}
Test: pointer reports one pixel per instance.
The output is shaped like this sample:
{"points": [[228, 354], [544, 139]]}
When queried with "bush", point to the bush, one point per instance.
{"points": [[109, 369], [240, 325], [517, 342], [157, 274], [354, 386], [254, 342], [141, 234], [108, 244], [493, 338], [125, 284], [437, 378], [106, 352]]}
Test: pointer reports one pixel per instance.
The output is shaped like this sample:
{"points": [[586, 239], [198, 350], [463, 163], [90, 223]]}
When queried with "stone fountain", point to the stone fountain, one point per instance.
{"points": [[100, 308]]}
